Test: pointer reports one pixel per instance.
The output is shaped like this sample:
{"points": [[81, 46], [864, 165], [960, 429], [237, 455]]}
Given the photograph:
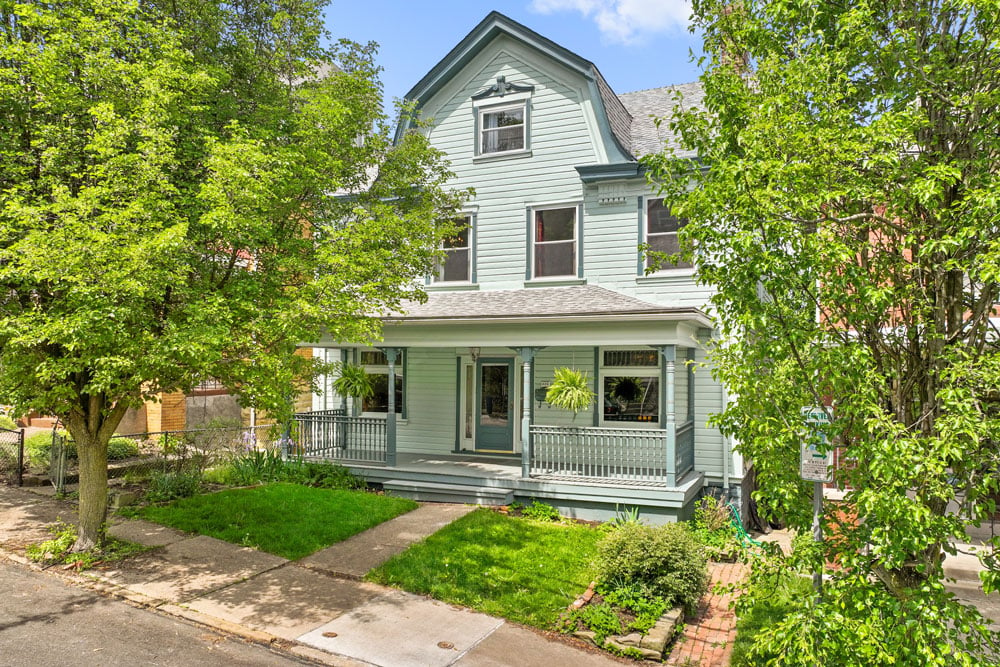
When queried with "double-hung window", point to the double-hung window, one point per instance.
{"points": [[456, 265], [661, 234], [502, 129], [554, 242], [377, 366]]}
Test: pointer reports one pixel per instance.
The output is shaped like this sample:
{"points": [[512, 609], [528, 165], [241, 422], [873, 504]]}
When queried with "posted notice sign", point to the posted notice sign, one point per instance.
{"points": [[813, 465]]}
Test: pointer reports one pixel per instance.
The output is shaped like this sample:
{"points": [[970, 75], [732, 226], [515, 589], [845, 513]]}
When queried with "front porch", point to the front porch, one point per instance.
{"points": [[459, 400]]}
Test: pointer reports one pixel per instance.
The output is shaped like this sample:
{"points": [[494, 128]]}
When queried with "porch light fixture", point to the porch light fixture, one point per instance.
{"points": [[474, 353]]}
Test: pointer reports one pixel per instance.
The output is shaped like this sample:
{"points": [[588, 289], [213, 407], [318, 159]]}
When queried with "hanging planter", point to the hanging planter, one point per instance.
{"points": [[626, 389], [354, 381], [570, 390]]}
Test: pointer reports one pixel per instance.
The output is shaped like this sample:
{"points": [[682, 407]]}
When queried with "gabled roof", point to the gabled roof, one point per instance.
{"points": [[613, 118]]}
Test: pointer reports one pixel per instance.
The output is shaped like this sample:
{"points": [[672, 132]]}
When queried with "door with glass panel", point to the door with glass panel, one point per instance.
{"points": [[495, 405]]}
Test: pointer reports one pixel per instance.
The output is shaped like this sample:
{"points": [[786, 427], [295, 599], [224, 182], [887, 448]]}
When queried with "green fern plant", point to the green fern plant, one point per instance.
{"points": [[570, 390], [354, 381]]}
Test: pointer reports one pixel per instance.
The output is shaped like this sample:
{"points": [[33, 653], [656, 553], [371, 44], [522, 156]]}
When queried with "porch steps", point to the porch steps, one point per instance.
{"points": [[437, 492]]}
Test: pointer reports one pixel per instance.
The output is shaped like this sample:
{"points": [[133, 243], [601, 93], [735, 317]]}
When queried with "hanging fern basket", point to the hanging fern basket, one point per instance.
{"points": [[570, 390]]}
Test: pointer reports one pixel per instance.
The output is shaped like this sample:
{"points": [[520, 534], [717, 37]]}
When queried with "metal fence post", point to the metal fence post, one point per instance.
{"points": [[20, 458]]}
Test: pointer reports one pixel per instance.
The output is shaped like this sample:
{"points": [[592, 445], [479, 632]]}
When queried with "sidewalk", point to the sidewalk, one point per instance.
{"points": [[317, 608]]}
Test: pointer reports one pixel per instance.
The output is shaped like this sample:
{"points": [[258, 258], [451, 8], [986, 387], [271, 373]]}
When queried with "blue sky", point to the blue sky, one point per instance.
{"points": [[636, 44]]}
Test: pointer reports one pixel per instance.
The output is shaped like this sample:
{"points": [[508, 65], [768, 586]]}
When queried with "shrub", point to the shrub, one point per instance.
{"points": [[540, 512], [325, 475], [663, 561], [256, 466], [164, 486], [7, 423], [122, 448]]}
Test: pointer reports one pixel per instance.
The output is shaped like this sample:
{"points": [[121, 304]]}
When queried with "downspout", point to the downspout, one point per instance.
{"points": [[727, 455]]}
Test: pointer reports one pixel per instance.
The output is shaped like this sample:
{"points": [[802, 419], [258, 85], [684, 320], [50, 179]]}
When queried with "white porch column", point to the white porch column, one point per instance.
{"points": [[668, 417], [527, 355], [391, 354]]}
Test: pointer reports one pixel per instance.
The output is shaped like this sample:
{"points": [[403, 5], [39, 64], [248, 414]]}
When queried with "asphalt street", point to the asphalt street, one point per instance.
{"points": [[45, 621]]}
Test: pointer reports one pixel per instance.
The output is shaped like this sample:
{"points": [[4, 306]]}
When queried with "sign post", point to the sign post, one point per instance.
{"points": [[815, 466]]}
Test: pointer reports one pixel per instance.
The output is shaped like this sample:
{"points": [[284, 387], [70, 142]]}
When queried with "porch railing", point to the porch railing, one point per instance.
{"points": [[685, 448], [333, 435], [615, 455]]}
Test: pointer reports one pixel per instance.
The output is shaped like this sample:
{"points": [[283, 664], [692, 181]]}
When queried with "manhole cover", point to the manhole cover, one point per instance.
{"points": [[330, 634], [445, 645]]}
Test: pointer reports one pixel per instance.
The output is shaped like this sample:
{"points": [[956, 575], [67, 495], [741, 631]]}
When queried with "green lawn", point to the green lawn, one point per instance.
{"points": [[522, 570], [288, 520], [765, 614]]}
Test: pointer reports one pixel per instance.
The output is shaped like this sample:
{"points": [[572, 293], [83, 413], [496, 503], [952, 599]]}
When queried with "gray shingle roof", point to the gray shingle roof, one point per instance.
{"points": [[618, 116], [644, 105], [533, 302]]}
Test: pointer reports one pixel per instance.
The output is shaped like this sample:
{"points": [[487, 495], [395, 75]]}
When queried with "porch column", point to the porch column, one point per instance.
{"points": [[668, 418], [343, 399], [527, 355], [391, 354]]}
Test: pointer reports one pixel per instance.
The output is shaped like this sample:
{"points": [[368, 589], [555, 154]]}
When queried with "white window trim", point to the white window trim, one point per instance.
{"points": [[661, 272], [437, 279], [632, 371], [496, 106], [383, 369], [575, 275]]}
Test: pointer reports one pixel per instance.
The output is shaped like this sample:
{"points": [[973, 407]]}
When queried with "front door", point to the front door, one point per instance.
{"points": [[495, 394]]}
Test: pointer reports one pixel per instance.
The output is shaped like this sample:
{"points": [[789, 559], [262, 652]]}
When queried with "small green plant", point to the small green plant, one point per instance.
{"points": [[631, 596], [713, 526], [570, 390], [540, 512], [321, 474], [601, 618], [663, 561], [166, 486], [625, 515], [256, 466], [57, 550], [7, 423], [122, 448]]}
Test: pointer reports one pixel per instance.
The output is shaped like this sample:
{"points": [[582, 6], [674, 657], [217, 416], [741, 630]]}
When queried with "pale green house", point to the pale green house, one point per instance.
{"points": [[548, 274]]}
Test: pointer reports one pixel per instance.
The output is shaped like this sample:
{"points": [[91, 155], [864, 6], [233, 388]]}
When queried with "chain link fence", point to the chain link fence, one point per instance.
{"points": [[12, 461], [138, 456]]}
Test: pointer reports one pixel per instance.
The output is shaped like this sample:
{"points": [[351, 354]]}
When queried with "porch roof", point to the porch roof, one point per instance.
{"points": [[541, 303]]}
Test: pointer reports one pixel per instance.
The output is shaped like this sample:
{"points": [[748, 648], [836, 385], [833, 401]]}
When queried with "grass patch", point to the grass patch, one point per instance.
{"points": [[288, 520], [522, 570], [765, 614]]}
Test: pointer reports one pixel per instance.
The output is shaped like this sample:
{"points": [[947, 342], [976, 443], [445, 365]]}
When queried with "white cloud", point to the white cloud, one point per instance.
{"points": [[625, 21]]}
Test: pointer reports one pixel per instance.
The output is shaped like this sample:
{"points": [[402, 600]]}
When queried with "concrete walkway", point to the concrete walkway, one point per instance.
{"points": [[316, 607]]}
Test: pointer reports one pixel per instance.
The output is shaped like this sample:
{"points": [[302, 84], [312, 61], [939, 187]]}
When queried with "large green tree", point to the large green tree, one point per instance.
{"points": [[188, 189], [845, 207]]}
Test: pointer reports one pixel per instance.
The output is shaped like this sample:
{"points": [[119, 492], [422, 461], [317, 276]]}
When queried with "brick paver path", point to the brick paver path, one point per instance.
{"points": [[708, 638]]}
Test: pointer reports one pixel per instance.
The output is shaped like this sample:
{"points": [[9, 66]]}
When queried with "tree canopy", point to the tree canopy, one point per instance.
{"points": [[845, 207], [188, 190]]}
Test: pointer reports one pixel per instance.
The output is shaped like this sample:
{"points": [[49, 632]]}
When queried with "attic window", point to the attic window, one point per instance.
{"points": [[501, 129]]}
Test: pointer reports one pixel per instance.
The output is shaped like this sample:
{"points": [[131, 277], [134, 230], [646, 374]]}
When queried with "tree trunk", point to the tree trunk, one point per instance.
{"points": [[93, 493], [92, 427]]}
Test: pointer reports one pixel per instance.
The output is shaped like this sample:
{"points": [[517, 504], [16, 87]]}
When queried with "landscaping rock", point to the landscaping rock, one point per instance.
{"points": [[647, 654], [660, 634], [587, 635]]}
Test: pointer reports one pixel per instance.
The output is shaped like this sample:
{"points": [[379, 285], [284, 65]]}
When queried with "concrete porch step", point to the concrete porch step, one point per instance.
{"points": [[448, 493]]}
